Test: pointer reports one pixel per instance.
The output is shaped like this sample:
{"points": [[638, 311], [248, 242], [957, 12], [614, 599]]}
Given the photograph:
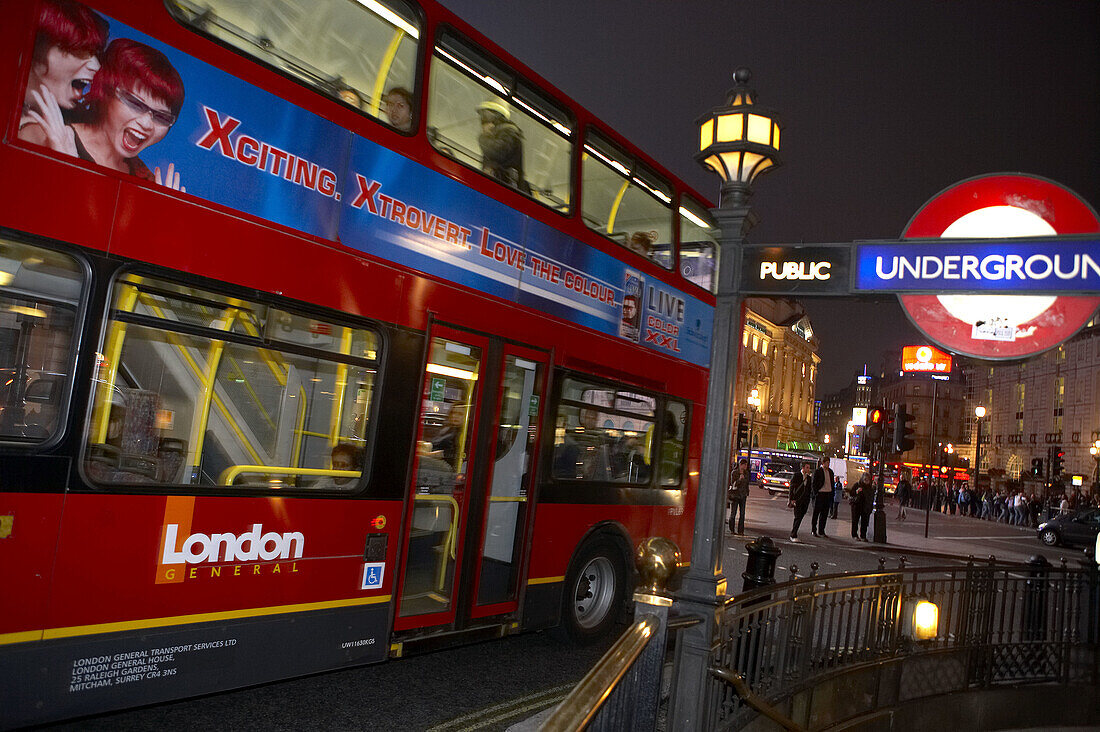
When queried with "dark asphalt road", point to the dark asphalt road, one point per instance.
{"points": [[488, 686]]}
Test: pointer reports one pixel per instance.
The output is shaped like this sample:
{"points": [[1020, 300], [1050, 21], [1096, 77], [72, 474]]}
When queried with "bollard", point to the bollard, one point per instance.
{"points": [[1035, 599], [760, 567]]}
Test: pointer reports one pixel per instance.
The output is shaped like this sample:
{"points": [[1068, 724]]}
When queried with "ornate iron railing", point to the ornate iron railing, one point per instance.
{"points": [[998, 624]]}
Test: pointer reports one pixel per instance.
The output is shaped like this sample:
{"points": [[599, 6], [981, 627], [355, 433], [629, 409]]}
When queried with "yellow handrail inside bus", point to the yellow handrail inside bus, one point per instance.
{"points": [[615, 207], [111, 358], [233, 472], [450, 546], [384, 71], [507, 499], [341, 388]]}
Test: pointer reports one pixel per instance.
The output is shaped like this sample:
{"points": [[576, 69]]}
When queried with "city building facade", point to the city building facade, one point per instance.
{"points": [[936, 401], [1048, 402], [779, 358]]}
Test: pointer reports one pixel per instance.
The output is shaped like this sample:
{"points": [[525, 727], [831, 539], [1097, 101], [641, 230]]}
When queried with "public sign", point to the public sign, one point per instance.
{"points": [[993, 326], [925, 360], [783, 270]]}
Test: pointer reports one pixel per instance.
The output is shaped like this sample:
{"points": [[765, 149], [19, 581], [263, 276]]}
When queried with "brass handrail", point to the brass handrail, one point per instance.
{"points": [[582, 703], [737, 681]]}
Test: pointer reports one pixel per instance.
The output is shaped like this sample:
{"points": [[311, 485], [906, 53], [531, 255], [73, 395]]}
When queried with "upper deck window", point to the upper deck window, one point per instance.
{"points": [[357, 52], [625, 201], [698, 247], [482, 115], [40, 297]]}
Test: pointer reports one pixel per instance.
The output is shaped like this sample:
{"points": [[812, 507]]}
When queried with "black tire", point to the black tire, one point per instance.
{"points": [[1049, 537], [594, 591]]}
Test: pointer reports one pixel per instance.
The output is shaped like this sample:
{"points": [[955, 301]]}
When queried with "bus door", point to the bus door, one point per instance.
{"points": [[456, 510], [506, 512]]}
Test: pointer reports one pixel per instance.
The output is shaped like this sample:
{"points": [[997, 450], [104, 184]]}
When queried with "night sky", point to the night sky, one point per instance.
{"points": [[884, 104]]}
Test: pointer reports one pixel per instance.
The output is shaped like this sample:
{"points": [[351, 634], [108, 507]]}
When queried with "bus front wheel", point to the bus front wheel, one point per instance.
{"points": [[594, 591]]}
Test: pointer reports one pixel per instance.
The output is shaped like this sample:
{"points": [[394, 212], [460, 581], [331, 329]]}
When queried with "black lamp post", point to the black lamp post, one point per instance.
{"points": [[979, 412], [1094, 450], [738, 142]]}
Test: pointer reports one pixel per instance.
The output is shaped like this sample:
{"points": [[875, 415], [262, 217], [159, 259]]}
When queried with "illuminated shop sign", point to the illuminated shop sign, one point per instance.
{"points": [[925, 359]]}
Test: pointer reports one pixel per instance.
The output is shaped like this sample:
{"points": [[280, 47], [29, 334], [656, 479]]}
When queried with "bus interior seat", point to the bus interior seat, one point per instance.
{"points": [[172, 452]]}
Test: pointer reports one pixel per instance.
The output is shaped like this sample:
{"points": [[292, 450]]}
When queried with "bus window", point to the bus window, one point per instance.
{"points": [[197, 388], [40, 293], [673, 438], [356, 52], [625, 202], [481, 115], [604, 435], [698, 247]]}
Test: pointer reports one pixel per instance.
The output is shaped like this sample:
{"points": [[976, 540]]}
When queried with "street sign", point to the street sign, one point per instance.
{"points": [[995, 326], [821, 269]]}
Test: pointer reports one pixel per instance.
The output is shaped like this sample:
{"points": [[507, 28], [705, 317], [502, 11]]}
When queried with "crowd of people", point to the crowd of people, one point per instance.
{"points": [[816, 485], [1014, 507]]}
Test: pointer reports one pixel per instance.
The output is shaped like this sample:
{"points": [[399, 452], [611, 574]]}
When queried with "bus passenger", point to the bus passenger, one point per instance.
{"points": [[344, 457], [399, 108], [501, 143], [134, 100], [65, 60], [642, 243]]}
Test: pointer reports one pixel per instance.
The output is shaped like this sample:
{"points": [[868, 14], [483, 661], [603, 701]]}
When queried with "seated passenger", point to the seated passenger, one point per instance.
{"points": [[344, 457], [399, 108], [642, 243], [584, 454], [501, 143]]}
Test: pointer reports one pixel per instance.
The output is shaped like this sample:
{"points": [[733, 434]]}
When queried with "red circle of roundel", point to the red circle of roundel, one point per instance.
{"points": [[1058, 206]]}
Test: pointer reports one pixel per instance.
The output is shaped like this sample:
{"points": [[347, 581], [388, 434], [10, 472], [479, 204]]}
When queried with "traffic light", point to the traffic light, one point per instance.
{"points": [[1057, 461], [873, 434], [1037, 467], [742, 432], [903, 432]]}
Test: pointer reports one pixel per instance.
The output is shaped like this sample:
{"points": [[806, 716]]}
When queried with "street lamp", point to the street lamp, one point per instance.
{"points": [[754, 404], [1095, 451], [738, 142], [979, 412]]}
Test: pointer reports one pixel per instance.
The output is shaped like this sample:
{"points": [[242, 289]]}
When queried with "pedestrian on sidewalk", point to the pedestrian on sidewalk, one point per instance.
{"points": [[904, 492], [838, 496], [799, 497], [823, 496], [738, 495], [861, 500]]}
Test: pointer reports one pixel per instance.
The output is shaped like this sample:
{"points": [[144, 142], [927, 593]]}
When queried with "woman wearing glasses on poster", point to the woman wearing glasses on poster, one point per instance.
{"points": [[133, 101], [67, 46]]}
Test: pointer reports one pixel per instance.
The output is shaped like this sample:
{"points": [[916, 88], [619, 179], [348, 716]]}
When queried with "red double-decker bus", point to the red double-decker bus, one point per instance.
{"points": [[328, 333]]}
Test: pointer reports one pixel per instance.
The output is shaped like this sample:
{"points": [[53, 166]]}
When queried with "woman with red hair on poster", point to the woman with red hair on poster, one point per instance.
{"points": [[69, 39], [134, 100]]}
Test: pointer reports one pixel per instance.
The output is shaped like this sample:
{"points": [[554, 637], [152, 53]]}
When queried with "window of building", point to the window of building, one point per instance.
{"points": [[197, 388], [41, 295], [355, 52], [698, 245], [625, 201], [607, 434], [484, 116]]}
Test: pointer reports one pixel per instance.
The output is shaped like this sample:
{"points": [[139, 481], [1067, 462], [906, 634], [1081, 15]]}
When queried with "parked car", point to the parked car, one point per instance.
{"points": [[1078, 528], [778, 483]]}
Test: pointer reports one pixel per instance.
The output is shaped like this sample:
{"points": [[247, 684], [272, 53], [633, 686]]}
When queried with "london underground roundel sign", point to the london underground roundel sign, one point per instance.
{"points": [[1001, 326]]}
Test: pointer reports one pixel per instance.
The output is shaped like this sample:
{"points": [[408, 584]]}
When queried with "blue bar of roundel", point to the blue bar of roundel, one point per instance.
{"points": [[1042, 263]]}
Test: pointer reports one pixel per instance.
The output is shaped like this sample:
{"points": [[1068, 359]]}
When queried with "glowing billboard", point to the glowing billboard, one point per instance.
{"points": [[925, 359]]}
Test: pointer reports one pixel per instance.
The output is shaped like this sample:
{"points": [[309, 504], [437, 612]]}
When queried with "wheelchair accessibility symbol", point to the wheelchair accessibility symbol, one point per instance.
{"points": [[372, 575]]}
